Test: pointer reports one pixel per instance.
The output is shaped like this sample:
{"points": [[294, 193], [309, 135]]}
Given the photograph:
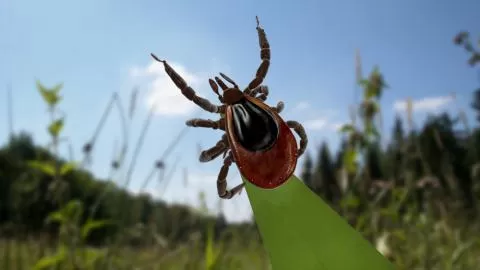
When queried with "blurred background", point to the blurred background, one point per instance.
{"points": [[99, 171]]}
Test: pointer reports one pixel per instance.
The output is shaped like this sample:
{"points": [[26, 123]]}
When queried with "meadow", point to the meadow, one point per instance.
{"points": [[415, 198]]}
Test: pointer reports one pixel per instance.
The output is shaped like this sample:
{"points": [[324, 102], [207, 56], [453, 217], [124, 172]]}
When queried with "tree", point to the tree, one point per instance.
{"points": [[394, 160], [476, 103], [398, 132], [25, 205], [340, 154], [325, 181], [307, 175], [373, 162]]}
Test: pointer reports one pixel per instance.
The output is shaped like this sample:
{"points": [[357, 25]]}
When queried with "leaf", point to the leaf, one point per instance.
{"points": [[300, 231], [55, 127], [371, 130], [350, 201], [56, 216], [374, 85], [46, 167], [389, 213], [91, 225], [211, 254], [73, 210], [50, 96], [371, 92], [361, 221], [399, 234], [363, 83], [349, 160], [347, 128], [461, 250], [56, 89], [50, 261], [91, 256], [67, 167], [461, 37]]}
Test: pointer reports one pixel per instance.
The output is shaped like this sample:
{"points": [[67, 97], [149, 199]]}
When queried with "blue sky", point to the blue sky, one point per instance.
{"points": [[98, 47]]}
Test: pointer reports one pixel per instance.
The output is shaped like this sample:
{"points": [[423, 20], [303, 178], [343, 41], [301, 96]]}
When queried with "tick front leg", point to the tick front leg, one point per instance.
{"points": [[264, 55], [186, 90], [222, 180], [261, 91], [298, 128], [212, 153], [206, 123]]}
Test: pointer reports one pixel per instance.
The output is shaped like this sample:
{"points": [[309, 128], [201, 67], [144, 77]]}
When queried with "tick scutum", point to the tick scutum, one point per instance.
{"points": [[255, 129]]}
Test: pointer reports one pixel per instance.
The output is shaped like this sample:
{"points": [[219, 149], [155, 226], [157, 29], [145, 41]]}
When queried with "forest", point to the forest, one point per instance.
{"points": [[414, 196]]}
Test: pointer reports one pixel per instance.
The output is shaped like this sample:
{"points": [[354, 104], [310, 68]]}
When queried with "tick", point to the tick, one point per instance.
{"points": [[256, 138]]}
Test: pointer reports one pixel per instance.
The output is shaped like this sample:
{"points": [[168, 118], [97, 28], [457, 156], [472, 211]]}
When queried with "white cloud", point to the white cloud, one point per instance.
{"points": [[316, 124], [303, 105], [336, 126], [322, 123], [136, 72], [427, 104], [162, 92]]}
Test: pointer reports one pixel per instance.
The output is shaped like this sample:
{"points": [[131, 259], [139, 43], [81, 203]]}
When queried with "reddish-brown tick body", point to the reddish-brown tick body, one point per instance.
{"points": [[269, 167]]}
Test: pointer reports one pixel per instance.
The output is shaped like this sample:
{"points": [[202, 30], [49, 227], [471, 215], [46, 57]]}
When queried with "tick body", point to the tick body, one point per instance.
{"points": [[256, 138], [262, 144]]}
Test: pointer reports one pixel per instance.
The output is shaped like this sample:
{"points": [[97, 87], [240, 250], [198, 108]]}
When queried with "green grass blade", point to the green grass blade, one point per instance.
{"points": [[300, 231]]}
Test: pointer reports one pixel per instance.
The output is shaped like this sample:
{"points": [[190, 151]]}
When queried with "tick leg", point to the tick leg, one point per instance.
{"points": [[214, 87], [222, 180], [187, 91], [265, 56], [261, 91], [279, 108], [301, 133], [215, 151], [206, 123]]}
